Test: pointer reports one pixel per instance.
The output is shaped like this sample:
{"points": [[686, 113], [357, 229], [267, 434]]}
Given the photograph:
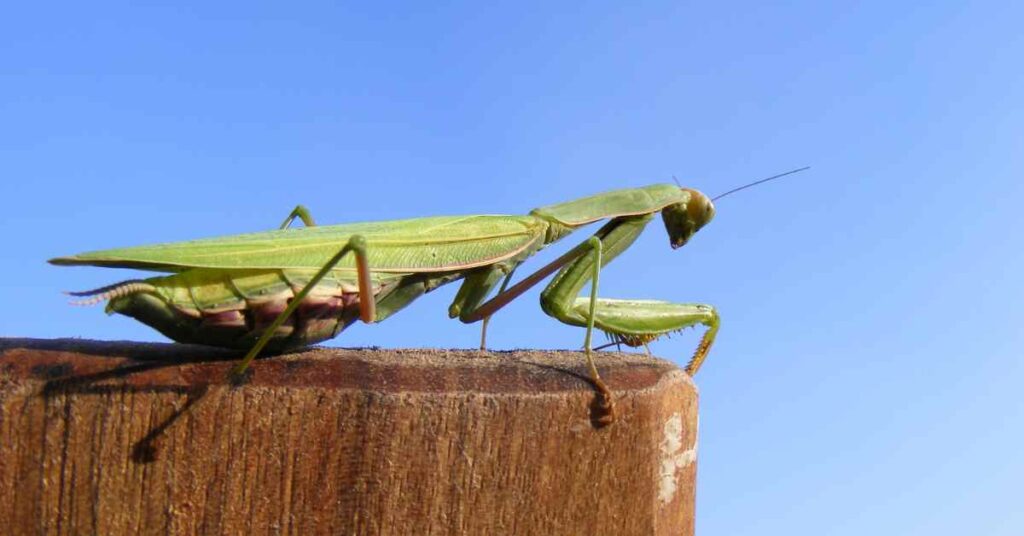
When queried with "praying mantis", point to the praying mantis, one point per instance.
{"points": [[293, 287]]}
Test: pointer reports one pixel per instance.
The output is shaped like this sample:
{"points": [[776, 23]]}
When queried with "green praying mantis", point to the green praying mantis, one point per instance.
{"points": [[293, 287]]}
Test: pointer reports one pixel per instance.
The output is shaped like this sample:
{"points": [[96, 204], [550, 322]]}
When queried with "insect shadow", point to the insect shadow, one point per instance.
{"points": [[62, 379]]}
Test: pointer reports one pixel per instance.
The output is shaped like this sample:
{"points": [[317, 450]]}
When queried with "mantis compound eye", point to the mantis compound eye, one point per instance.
{"points": [[701, 209]]}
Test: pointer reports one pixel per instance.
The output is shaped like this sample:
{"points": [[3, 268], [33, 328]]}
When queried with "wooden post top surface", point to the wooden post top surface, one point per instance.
{"points": [[389, 370], [122, 437]]}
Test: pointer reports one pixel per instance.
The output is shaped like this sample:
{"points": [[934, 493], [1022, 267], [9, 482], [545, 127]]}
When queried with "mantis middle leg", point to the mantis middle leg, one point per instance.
{"points": [[474, 290], [487, 319]]}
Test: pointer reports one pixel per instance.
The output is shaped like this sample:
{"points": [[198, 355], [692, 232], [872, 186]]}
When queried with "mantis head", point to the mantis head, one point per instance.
{"points": [[683, 220]]}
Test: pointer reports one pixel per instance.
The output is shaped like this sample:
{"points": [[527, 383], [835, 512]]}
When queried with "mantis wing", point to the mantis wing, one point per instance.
{"points": [[435, 244]]}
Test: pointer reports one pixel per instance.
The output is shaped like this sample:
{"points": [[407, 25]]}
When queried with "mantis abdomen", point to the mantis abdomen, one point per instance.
{"points": [[232, 308]]}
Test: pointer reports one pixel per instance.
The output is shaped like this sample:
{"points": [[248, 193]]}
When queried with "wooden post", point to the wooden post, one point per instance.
{"points": [[114, 438]]}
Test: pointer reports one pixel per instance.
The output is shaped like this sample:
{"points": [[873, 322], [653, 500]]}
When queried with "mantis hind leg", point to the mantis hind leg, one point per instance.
{"points": [[367, 306], [301, 213]]}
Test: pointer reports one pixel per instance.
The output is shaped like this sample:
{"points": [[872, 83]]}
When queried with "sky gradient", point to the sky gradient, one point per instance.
{"points": [[867, 377]]}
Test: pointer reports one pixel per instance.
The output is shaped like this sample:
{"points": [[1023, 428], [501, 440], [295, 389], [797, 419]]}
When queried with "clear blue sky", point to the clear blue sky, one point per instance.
{"points": [[867, 379]]}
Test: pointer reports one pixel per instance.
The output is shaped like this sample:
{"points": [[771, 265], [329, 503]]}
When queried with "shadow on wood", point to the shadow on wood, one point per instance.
{"points": [[117, 437]]}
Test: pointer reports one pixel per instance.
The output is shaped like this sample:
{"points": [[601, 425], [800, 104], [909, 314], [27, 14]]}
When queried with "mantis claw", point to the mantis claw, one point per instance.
{"points": [[604, 404], [239, 376]]}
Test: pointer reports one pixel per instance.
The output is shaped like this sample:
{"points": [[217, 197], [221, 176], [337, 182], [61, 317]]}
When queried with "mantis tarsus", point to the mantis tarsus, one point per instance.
{"points": [[293, 287]]}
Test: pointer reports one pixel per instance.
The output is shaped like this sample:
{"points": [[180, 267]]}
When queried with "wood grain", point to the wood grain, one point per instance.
{"points": [[128, 438]]}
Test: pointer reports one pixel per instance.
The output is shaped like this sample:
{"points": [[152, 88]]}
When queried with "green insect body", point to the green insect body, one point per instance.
{"points": [[294, 287], [216, 300]]}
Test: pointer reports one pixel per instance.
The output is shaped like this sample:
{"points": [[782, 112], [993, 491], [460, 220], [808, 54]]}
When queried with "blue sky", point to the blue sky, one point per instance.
{"points": [[867, 376]]}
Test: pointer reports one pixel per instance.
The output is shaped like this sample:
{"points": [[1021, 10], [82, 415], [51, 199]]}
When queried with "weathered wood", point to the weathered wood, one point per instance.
{"points": [[114, 438]]}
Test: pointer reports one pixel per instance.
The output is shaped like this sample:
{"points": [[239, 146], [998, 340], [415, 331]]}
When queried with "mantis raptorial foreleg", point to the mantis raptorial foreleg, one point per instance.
{"points": [[474, 314], [633, 322], [591, 249], [367, 306], [300, 212]]}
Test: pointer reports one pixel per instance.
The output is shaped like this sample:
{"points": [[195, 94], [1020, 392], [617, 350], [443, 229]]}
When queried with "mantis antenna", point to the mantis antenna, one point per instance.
{"points": [[755, 183]]}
